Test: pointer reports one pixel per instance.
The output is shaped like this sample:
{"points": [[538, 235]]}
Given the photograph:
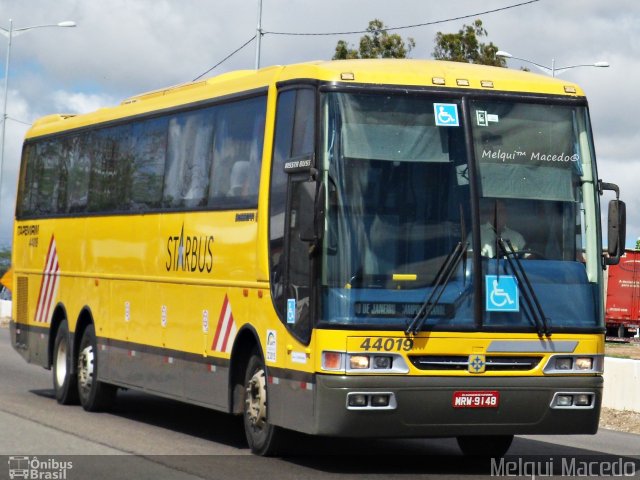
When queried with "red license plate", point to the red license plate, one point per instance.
{"points": [[480, 399]]}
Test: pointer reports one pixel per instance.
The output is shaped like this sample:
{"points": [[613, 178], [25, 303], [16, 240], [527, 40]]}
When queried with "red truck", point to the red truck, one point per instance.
{"points": [[622, 315]]}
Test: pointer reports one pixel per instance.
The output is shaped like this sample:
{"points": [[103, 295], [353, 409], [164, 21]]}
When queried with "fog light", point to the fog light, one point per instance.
{"points": [[358, 362], [584, 363], [379, 400], [583, 400], [382, 362], [357, 400], [564, 400], [563, 363]]}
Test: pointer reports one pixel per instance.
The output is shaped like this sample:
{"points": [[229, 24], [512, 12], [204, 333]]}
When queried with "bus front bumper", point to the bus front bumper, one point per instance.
{"points": [[427, 406]]}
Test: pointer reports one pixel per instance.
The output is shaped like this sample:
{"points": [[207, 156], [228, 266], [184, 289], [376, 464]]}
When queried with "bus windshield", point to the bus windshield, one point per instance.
{"points": [[399, 204]]}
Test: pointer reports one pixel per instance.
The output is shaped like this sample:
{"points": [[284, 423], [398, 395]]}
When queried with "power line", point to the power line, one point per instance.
{"points": [[405, 26], [18, 120], [226, 58], [435, 22]]}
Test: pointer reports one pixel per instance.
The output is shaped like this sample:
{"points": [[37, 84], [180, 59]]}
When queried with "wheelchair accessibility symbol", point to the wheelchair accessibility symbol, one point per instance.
{"points": [[446, 114], [502, 294]]}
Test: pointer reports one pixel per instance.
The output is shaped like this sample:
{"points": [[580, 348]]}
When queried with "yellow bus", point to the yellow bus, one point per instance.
{"points": [[367, 248]]}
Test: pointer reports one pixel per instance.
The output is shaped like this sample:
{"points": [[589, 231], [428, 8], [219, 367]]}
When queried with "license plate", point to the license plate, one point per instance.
{"points": [[481, 399]]}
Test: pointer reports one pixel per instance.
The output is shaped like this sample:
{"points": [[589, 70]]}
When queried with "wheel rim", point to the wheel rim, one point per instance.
{"points": [[85, 368], [256, 400], [61, 362]]}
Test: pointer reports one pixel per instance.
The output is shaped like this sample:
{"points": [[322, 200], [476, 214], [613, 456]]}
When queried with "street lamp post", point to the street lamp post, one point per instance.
{"points": [[552, 69], [10, 33]]}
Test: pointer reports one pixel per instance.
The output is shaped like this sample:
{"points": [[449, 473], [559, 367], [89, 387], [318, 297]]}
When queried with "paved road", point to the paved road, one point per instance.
{"points": [[147, 437]]}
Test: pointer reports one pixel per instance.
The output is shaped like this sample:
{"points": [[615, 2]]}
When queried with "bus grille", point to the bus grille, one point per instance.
{"points": [[461, 362], [23, 300]]}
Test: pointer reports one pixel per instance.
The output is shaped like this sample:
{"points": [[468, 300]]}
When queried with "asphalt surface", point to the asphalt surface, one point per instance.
{"points": [[145, 437]]}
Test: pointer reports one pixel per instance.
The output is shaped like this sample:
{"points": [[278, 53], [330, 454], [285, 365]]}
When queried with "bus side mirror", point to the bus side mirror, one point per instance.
{"points": [[311, 212], [617, 231]]}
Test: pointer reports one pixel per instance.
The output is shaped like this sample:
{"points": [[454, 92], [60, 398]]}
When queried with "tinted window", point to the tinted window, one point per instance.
{"points": [[189, 142], [237, 154], [294, 137], [149, 144], [204, 158]]}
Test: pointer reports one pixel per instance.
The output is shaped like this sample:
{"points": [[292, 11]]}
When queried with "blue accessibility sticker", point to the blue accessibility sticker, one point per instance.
{"points": [[446, 114], [502, 293], [291, 311]]}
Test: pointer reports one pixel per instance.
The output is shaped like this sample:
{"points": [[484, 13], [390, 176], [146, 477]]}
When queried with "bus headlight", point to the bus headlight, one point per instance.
{"points": [[382, 362], [584, 363], [574, 364], [359, 362], [564, 363]]}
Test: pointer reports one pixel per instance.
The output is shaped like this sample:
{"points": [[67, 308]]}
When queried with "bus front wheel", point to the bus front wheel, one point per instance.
{"points": [[64, 382], [94, 395], [262, 437], [485, 445]]}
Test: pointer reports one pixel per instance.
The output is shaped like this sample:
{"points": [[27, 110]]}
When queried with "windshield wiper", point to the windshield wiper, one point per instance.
{"points": [[439, 285], [542, 323]]}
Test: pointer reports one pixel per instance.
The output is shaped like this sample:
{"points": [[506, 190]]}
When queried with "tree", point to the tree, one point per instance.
{"points": [[378, 43], [5, 260], [465, 46]]}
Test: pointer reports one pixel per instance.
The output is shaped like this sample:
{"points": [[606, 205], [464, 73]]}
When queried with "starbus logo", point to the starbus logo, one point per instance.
{"points": [[189, 253]]}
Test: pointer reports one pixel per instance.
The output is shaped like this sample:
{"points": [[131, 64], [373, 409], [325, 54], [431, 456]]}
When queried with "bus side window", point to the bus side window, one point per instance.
{"points": [[237, 154]]}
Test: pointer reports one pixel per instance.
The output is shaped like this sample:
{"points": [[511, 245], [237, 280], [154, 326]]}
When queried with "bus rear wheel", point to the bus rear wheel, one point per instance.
{"points": [[94, 395], [64, 382], [263, 438], [485, 445]]}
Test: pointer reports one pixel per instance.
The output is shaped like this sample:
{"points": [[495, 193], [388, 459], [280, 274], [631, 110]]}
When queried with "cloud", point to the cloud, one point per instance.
{"points": [[121, 48], [14, 134], [78, 102]]}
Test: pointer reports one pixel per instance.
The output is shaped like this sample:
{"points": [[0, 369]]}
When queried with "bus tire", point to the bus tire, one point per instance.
{"points": [[94, 395], [494, 446], [263, 438], [64, 381]]}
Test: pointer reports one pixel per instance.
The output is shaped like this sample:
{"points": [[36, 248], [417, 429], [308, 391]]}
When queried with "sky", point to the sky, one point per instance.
{"points": [[122, 47]]}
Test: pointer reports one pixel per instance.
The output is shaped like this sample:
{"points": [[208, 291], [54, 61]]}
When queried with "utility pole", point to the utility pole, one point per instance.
{"points": [[258, 34]]}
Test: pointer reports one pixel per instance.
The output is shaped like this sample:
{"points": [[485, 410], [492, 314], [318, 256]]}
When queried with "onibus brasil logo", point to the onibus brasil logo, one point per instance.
{"points": [[38, 469]]}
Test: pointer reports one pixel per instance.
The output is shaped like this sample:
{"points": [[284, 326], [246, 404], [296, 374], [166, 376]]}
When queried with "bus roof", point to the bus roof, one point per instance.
{"points": [[377, 72]]}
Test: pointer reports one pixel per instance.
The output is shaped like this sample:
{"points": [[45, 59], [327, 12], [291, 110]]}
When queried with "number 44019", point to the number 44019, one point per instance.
{"points": [[380, 344]]}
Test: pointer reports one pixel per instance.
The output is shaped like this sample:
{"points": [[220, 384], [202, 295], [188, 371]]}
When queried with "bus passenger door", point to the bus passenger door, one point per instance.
{"points": [[298, 405], [300, 248], [292, 196]]}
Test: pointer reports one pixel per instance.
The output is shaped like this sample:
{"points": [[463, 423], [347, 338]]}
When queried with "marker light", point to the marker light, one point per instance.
{"points": [[332, 361], [584, 363], [359, 362]]}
